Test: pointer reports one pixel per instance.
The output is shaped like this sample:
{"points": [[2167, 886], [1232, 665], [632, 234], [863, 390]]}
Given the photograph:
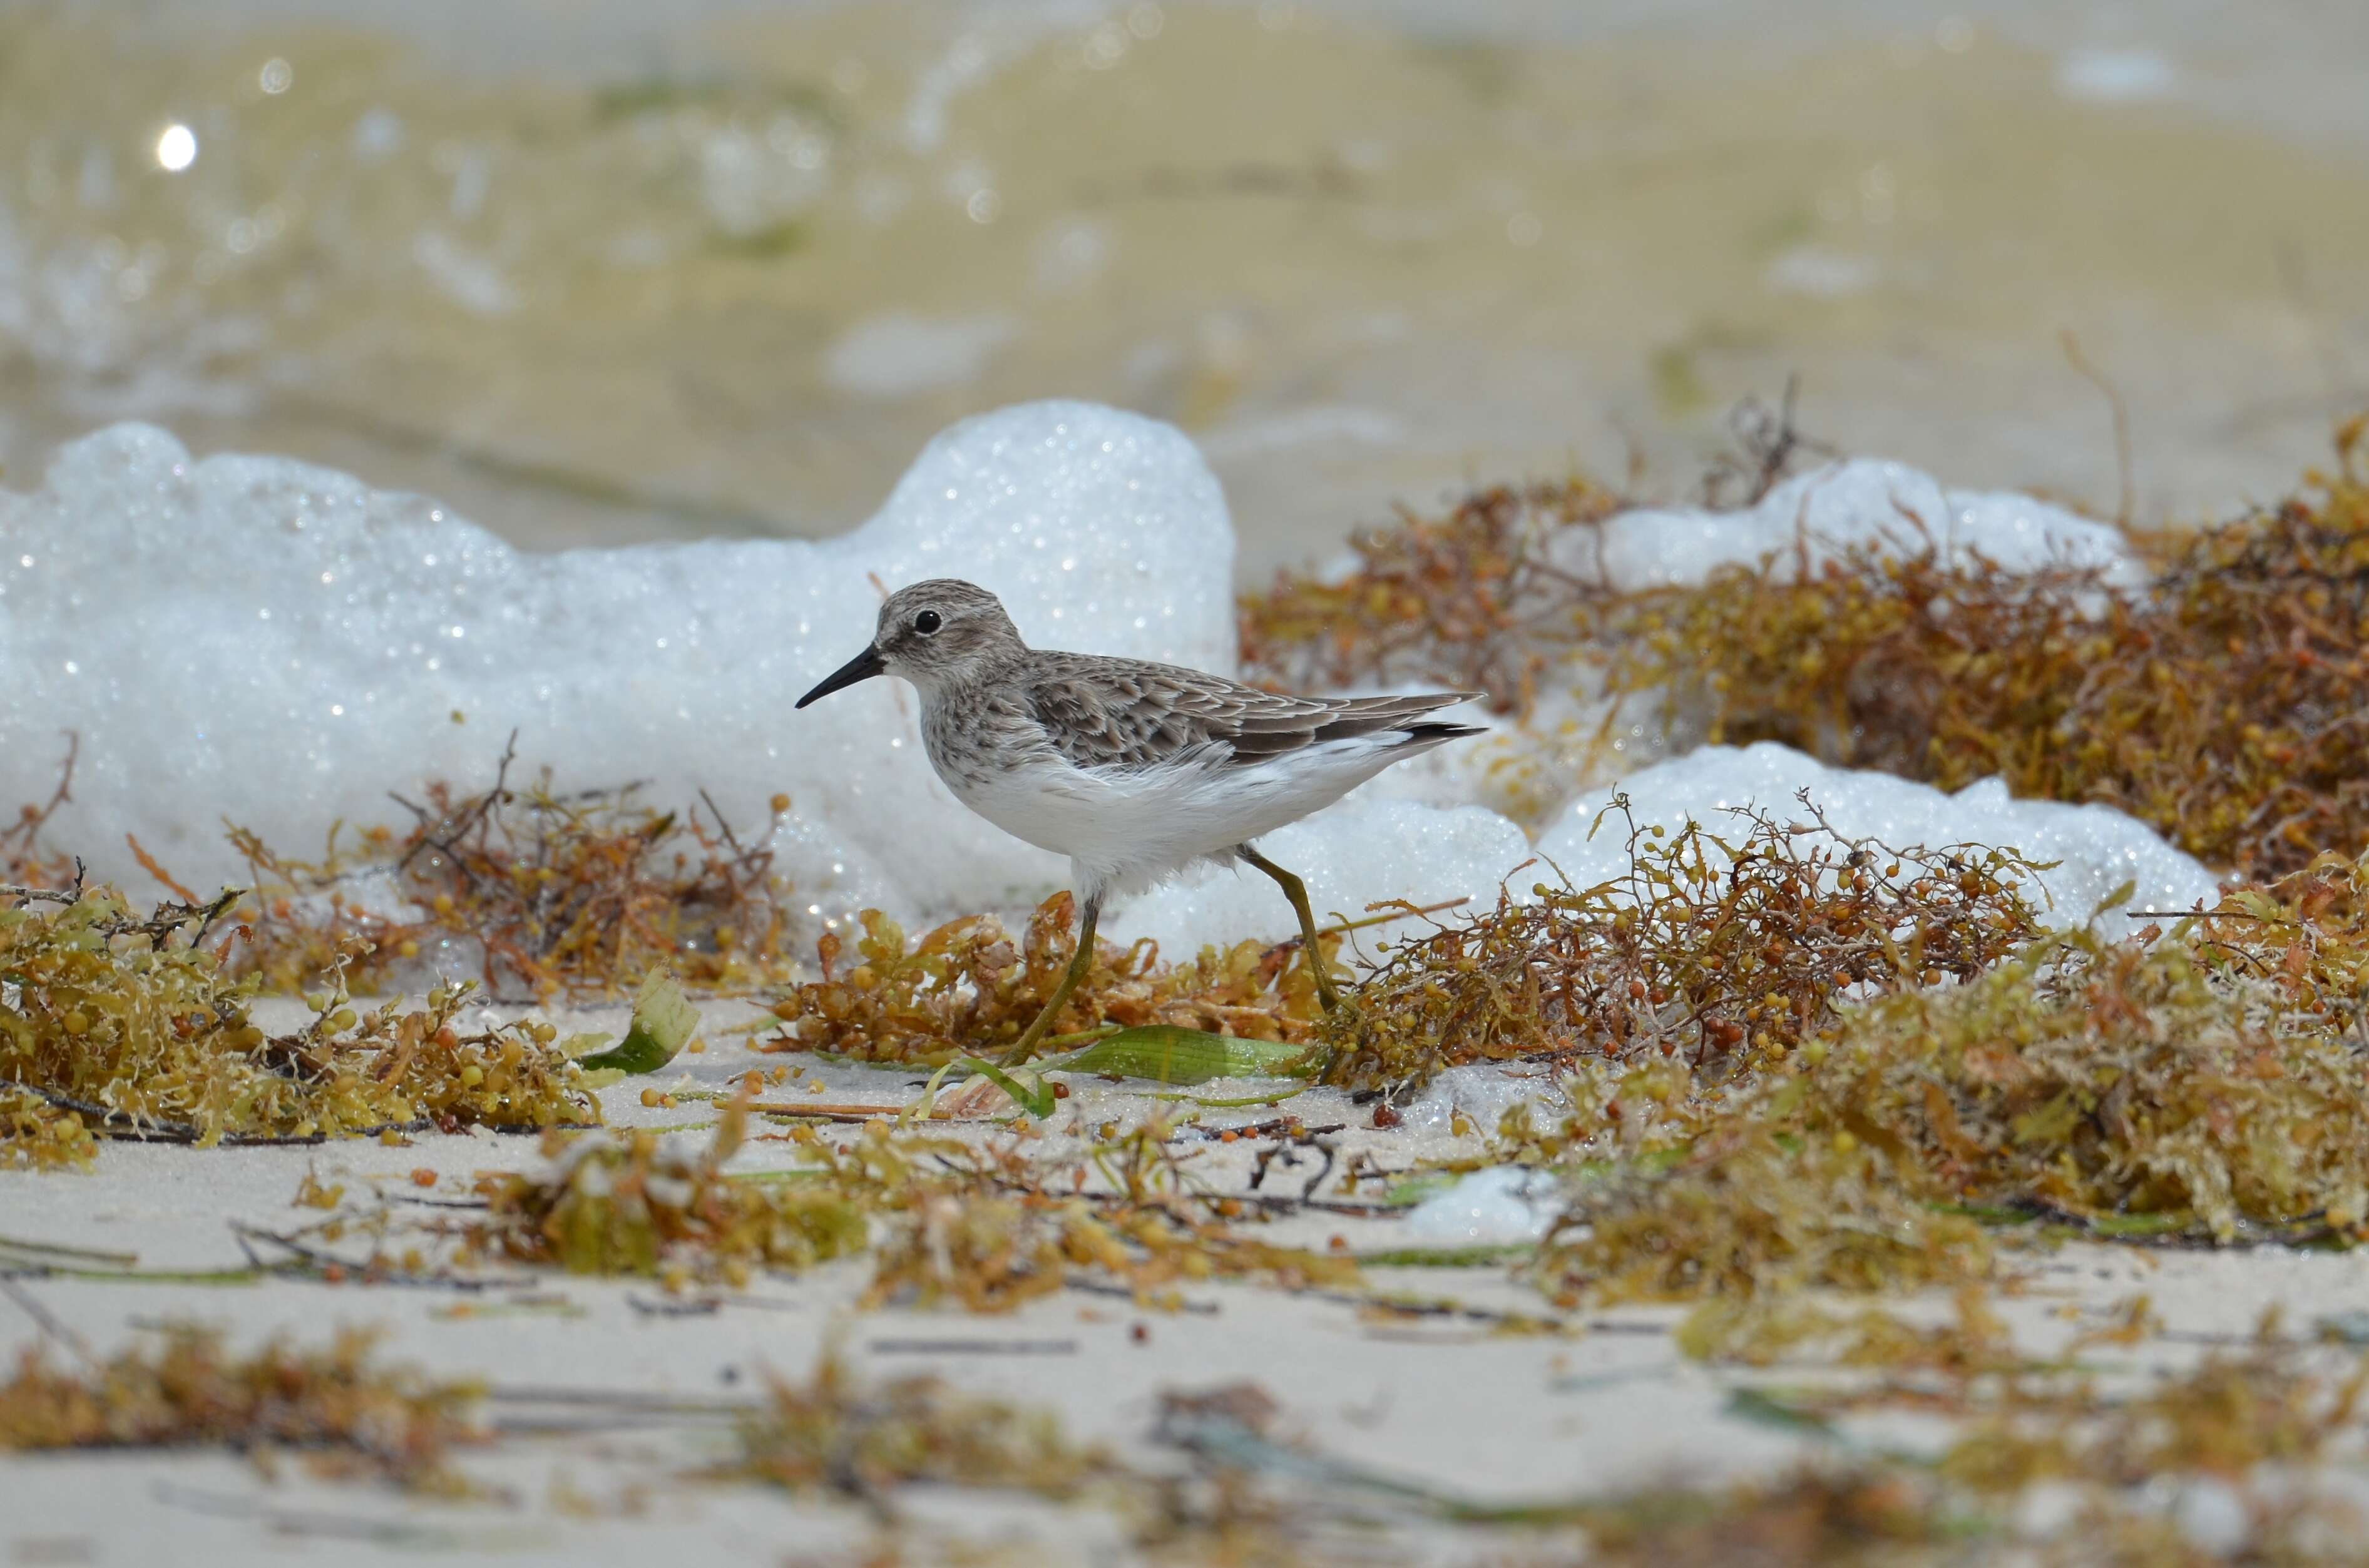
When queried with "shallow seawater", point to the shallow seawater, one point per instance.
{"points": [[722, 273]]}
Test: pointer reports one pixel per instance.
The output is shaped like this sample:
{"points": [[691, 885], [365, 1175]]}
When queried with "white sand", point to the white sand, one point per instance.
{"points": [[1610, 1406]]}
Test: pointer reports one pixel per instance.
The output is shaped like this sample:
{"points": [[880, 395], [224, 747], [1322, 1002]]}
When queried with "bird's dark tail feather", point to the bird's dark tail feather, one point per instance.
{"points": [[1433, 734]]}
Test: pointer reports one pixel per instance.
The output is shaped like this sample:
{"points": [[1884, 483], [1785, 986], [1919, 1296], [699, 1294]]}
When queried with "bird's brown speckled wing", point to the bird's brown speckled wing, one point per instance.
{"points": [[1102, 712]]}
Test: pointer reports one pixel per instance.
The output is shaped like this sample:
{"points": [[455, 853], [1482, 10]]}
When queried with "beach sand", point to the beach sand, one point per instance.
{"points": [[1604, 1405]]}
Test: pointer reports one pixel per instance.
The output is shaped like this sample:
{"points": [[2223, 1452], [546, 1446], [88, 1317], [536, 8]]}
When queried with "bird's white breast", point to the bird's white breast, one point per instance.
{"points": [[1128, 828]]}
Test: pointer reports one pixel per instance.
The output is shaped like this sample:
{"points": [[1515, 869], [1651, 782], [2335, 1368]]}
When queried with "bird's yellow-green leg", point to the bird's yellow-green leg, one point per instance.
{"points": [[1297, 891], [1079, 964]]}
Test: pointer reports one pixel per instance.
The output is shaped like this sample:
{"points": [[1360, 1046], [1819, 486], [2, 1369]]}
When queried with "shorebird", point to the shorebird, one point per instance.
{"points": [[1134, 771]]}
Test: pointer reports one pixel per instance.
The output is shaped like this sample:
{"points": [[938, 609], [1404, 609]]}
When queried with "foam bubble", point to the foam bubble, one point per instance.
{"points": [[259, 640], [1502, 1206], [2097, 847], [1858, 502], [1351, 855]]}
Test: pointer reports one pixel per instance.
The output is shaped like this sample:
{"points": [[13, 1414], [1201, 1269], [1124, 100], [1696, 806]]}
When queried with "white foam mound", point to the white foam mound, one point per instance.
{"points": [[1858, 502], [1504, 1205], [1351, 855], [2097, 848], [259, 640]]}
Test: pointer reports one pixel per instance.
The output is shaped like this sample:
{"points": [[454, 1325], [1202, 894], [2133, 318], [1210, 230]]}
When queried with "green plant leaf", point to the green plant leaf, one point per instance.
{"points": [[1764, 1408], [1165, 1053], [663, 1021]]}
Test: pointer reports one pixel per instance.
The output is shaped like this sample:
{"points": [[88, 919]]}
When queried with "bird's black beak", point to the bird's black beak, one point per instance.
{"points": [[863, 667]]}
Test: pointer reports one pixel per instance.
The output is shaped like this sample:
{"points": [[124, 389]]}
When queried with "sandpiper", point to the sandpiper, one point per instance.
{"points": [[1134, 771]]}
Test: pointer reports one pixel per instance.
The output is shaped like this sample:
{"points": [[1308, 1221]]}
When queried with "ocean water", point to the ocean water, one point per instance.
{"points": [[603, 273]]}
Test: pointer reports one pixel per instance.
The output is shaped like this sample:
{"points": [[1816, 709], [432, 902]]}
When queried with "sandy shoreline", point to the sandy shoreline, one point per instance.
{"points": [[1608, 1406]]}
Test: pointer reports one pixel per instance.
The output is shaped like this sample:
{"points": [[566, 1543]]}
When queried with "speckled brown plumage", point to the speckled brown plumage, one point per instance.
{"points": [[1133, 769], [1100, 712]]}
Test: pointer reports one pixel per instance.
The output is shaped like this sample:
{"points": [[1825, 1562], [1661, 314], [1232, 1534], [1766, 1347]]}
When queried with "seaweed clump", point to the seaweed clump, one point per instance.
{"points": [[833, 1431], [1488, 597], [1012, 1232], [1724, 953], [2109, 1082], [2187, 708], [131, 1023], [945, 1221], [965, 988], [36, 1134], [1750, 1215], [549, 894], [2269, 1412], [1830, 1515], [2265, 1405], [2219, 702], [352, 1417], [2196, 1083], [628, 1204], [868, 1438]]}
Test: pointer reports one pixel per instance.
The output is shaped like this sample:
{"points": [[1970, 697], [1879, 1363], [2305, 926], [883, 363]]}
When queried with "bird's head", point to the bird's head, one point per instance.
{"points": [[934, 634]]}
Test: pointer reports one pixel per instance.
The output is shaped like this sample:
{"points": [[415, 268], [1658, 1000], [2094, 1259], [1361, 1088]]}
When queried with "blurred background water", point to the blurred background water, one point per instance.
{"points": [[600, 271]]}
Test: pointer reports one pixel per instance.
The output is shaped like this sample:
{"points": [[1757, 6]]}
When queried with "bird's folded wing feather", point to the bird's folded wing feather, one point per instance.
{"points": [[1118, 713]]}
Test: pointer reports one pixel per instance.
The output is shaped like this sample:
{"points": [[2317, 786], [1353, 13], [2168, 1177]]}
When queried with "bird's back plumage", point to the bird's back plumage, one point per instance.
{"points": [[1104, 712], [1137, 770]]}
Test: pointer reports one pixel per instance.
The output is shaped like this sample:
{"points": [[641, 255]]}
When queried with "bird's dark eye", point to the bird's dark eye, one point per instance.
{"points": [[929, 620]]}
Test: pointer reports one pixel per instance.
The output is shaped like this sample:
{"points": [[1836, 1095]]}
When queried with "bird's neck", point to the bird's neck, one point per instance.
{"points": [[955, 687]]}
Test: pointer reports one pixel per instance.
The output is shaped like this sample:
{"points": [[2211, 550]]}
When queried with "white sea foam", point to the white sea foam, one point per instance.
{"points": [[1481, 1092], [1504, 1205], [1857, 502], [1357, 853], [2097, 848], [278, 645]]}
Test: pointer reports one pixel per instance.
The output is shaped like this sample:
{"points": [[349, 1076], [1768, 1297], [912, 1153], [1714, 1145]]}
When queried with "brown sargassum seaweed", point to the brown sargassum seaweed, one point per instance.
{"points": [[338, 1405], [966, 988], [2223, 701], [2201, 1083], [547, 895], [129, 1025], [983, 1225], [1724, 943]]}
